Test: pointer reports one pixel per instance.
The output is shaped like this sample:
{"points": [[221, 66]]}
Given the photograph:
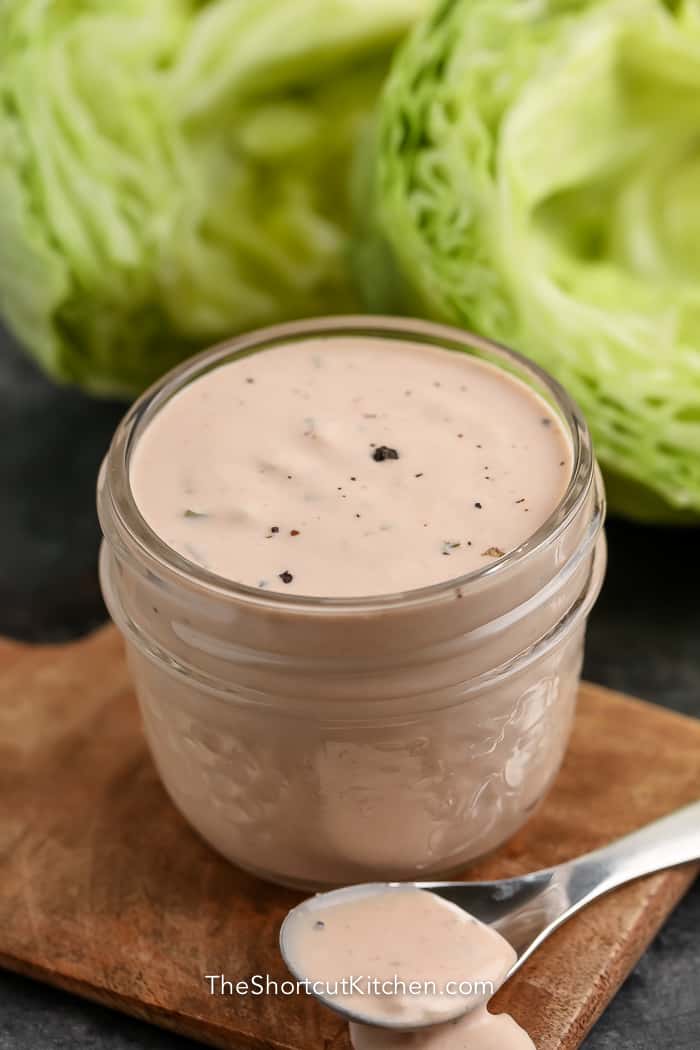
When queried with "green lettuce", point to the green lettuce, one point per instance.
{"points": [[534, 176], [175, 171]]}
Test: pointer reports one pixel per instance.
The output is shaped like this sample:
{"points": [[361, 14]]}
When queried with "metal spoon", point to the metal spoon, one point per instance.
{"points": [[526, 909]]}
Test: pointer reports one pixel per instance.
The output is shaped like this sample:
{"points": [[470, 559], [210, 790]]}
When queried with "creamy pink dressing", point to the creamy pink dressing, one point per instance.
{"points": [[350, 466], [477, 1030], [415, 960]]}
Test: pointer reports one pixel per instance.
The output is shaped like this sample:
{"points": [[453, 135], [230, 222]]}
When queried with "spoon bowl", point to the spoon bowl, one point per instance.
{"points": [[526, 909]]}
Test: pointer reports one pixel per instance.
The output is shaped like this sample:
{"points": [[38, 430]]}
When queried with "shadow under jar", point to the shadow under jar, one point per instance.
{"points": [[321, 741]]}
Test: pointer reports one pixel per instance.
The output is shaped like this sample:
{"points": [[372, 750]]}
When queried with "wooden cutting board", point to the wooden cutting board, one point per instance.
{"points": [[106, 892]]}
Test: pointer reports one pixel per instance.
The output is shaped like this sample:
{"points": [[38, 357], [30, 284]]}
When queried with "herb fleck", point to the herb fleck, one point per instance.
{"points": [[492, 552], [546, 422], [286, 576], [384, 452], [449, 545], [194, 514], [520, 500], [418, 475]]}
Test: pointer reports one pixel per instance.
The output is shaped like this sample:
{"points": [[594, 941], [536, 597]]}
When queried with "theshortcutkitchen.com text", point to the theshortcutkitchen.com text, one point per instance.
{"points": [[264, 984]]}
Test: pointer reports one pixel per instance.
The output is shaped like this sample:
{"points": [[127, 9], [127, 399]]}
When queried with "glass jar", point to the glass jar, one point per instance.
{"points": [[321, 741]]}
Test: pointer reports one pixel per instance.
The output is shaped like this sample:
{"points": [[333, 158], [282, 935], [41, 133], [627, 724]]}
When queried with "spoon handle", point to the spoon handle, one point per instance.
{"points": [[672, 840]]}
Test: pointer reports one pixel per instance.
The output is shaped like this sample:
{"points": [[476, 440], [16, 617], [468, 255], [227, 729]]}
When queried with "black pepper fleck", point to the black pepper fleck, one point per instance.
{"points": [[249, 380], [319, 924], [546, 422], [274, 528], [520, 500], [384, 452], [418, 475], [286, 576], [478, 506]]}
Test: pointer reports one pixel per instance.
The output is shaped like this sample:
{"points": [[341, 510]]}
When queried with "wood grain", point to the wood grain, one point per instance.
{"points": [[105, 891]]}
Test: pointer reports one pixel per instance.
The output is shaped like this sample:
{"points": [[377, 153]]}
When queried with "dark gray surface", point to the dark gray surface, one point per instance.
{"points": [[644, 639]]}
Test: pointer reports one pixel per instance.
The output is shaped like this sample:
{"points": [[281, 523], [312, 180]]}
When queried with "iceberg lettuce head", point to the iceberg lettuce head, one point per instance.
{"points": [[535, 176], [175, 171]]}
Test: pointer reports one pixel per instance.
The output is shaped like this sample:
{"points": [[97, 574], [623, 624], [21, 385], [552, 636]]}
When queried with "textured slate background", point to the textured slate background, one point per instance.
{"points": [[644, 639]]}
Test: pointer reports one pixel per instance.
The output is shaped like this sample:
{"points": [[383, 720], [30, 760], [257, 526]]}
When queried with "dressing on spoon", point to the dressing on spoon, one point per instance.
{"points": [[404, 959], [477, 1030]]}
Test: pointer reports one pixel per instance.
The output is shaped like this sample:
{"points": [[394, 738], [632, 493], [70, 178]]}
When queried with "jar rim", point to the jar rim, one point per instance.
{"points": [[119, 511]]}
